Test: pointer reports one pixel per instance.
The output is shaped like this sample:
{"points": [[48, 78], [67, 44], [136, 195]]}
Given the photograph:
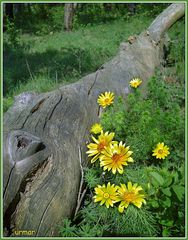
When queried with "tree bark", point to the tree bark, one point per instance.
{"points": [[45, 136], [68, 15]]}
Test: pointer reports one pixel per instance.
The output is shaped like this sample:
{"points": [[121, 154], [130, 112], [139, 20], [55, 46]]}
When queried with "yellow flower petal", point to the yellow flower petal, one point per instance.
{"points": [[121, 208], [138, 204], [94, 159], [129, 186]]}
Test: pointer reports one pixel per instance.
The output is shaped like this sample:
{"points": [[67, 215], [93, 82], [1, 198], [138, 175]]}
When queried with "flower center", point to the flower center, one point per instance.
{"points": [[106, 100], [101, 146], [129, 196], [160, 151], [106, 195], [116, 157]]}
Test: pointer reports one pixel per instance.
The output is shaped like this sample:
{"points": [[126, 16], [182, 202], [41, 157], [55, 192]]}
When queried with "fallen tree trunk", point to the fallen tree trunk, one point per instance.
{"points": [[45, 136]]}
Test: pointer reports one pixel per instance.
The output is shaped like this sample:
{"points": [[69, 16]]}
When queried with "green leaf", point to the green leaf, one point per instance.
{"points": [[157, 177], [151, 191], [166, 203], [67, 230], [154, 204], [166, 232], [166, 191], [168, 181], [168, 223], [176, 180], [179, 191]]}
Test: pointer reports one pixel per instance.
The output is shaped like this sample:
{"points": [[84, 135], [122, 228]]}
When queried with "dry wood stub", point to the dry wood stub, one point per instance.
{"points": [[165, 20], [57, 127]]}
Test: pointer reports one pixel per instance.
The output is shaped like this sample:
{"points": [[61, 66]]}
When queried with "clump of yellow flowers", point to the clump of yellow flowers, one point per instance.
{"points": [[114, 156], [111, 194]]}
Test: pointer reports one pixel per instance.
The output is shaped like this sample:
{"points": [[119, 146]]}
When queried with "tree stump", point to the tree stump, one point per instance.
{"points": [[45, 135]]}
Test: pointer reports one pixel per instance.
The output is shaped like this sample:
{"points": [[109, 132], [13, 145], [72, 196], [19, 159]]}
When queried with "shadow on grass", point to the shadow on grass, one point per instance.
{"points": [[21, 66]]}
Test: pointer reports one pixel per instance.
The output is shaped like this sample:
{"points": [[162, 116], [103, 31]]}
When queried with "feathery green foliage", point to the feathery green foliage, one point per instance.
{"points": [[143, 121], [99, 221]]}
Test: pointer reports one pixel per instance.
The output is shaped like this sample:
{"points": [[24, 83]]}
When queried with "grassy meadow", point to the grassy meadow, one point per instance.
{"points": [[42, 63]]}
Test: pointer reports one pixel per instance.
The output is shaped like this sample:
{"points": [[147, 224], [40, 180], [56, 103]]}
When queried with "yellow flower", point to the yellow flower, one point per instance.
{"points": [[106, 195], [95, 149], [161, 151], [96, 128], [115, 156], [130, 194], [105, 99], [135, 82]]}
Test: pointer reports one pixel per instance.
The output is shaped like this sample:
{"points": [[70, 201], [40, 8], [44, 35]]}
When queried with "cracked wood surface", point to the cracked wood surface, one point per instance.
{"points": [[45, 137]]}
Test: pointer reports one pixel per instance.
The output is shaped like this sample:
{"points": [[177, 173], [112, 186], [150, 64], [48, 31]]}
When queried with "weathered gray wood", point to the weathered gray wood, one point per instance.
{"points": [[24, 153], [165, 20], [44, 135]]}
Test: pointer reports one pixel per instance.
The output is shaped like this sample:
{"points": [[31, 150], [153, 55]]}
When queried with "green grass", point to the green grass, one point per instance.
{"points": [[42, 63]]}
